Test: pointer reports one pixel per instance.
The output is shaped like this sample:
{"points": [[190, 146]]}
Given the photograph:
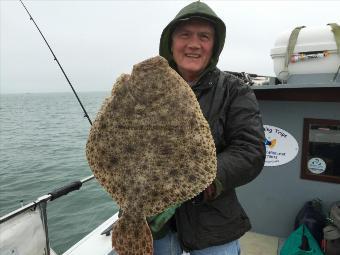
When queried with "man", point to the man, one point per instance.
{"points": [[212, 222]]}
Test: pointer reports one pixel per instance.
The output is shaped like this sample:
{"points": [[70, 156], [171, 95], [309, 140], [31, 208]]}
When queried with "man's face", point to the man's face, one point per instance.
{"points": [[192, 47]]}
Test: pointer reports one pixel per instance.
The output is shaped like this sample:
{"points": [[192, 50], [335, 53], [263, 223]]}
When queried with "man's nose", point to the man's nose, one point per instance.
{"points": [[194, 42]]}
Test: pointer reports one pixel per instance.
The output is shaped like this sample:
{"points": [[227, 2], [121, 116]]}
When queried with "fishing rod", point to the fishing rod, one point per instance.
{"points": [[71, 186], [56, 59]]}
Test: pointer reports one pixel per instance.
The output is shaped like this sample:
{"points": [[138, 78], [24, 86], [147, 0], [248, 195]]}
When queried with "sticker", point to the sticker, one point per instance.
{"points": [[281, 146], [316, 165]]}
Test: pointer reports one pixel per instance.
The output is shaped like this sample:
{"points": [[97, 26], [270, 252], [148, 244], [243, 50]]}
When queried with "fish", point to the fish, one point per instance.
{"points": [[150, 147]]}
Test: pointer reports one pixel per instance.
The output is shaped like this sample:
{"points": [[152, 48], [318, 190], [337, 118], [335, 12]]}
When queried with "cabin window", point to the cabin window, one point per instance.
{"points": [[321, 150]]}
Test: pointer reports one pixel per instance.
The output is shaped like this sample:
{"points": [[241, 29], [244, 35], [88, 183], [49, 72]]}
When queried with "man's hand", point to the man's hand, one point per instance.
{"points": [[209, 193]]}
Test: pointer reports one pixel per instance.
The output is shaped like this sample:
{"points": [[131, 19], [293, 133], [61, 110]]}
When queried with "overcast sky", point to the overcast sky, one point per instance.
{"points": [[96, 41]]}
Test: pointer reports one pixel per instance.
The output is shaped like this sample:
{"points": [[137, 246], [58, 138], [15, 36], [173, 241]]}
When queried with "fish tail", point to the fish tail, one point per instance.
{"points": [[132, 236]]}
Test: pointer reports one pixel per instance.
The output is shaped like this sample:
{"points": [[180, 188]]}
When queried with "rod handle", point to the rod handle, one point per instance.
{"points": [[65, 189]]}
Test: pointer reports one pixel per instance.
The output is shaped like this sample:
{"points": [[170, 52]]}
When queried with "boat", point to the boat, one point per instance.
{"points": [[301, 115]]}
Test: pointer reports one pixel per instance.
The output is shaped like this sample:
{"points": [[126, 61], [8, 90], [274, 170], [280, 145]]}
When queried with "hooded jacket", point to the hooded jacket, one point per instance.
{"points": [[232, 112], [194, 10]]}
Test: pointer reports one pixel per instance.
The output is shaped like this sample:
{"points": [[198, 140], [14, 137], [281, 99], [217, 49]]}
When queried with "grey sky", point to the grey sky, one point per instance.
{"points": [[96, 41]]}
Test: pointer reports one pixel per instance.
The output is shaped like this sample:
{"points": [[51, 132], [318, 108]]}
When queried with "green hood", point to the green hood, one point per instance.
{"points": [[194, 10]]}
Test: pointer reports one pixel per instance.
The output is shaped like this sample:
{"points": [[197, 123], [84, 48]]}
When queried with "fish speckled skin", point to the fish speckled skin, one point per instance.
{"points": [[150, 147]]}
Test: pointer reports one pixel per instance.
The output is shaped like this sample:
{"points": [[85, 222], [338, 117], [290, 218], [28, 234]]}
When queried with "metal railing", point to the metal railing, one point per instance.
{"points": [[64, 190]]}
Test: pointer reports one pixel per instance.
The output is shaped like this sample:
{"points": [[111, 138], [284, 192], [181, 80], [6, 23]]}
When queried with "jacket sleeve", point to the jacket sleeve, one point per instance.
{"points": [[243, 158]]}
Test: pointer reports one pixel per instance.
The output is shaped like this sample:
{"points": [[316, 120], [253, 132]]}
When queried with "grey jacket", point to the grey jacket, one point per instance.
{"points": [[235, 121]]}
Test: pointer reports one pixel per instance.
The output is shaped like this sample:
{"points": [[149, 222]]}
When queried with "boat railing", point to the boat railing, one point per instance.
{"points": [[252, 79], [64, 190], [21, 226]]}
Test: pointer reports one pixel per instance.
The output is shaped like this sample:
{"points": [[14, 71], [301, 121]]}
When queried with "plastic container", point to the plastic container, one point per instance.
{"points": [[315, 52]]}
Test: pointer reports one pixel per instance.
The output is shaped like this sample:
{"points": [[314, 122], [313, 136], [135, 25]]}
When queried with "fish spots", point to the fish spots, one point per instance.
{"points": [[154, 193], [158, 163], [136, 233], [192, 123], [162, 117], [155, 140], [192, 178], [100, 164], [144, 167], [123, 188], [103, 125], [155, 178], [180, 131], [129, 148], [165, 149], [173, 173], [114, 160]]}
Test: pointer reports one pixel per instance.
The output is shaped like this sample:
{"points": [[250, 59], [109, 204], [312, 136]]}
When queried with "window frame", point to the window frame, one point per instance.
{"points": [[305, 173]]}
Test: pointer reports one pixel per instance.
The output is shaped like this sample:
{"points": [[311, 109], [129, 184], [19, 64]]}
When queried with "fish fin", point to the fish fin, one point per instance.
{"points": [[132, 236]]}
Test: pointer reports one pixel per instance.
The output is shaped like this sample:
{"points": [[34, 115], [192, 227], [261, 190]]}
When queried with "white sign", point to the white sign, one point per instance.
{"points": [[316, 165], [281, 147]]}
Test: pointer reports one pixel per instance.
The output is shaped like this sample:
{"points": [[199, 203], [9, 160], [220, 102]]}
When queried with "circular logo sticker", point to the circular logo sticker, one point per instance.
{"points": [[281, 146], [316, 165]]}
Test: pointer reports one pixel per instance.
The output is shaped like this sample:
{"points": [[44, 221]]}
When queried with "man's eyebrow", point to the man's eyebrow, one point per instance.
{"points": [[181, 29], [206, 32]]}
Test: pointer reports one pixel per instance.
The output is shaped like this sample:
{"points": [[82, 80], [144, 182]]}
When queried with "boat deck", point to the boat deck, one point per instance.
{"points": [[257, 244], [95, 243]]}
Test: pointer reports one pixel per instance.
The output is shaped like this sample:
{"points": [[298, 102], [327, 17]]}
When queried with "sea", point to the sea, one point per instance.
{"points": [[42, 147]]}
